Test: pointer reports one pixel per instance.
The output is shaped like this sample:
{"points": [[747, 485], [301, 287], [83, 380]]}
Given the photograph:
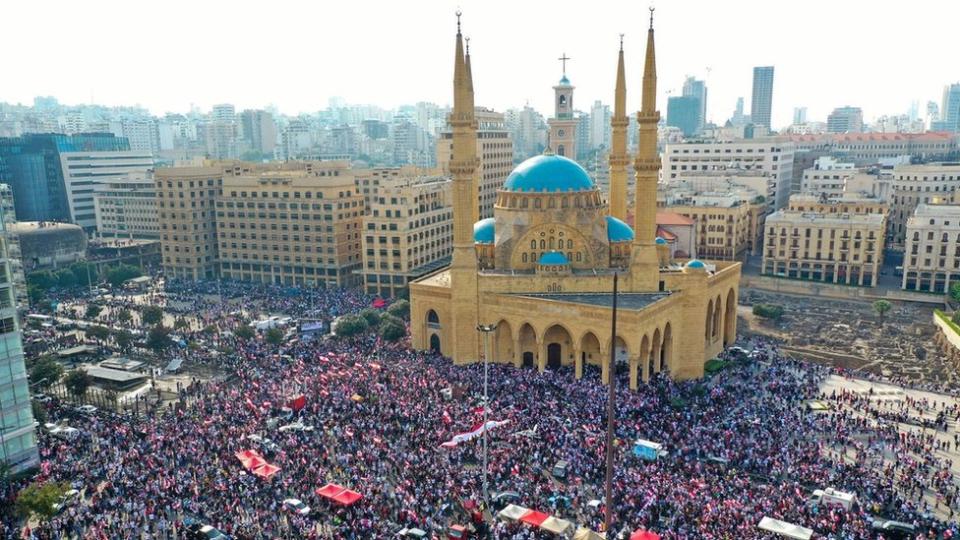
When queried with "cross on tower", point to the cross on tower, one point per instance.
{"points": [[564, 59]]}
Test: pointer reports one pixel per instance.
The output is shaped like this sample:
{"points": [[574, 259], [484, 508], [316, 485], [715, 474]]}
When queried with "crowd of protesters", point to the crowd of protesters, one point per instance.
{"points": [[739, 446]]}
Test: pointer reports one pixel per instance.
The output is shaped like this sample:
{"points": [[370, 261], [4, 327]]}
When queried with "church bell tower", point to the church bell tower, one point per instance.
{"points": [[563, 127]]}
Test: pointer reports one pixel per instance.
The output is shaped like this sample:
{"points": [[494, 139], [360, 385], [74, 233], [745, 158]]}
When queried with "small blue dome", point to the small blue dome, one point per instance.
{"points": [[696, 263], [564, 80], [618, 231], [553, 258], [660, 241], [548, 173], [483, 231]]}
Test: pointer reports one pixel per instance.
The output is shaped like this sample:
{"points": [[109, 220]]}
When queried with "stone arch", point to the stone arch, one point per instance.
{"points": [[621, 355], [666, 348], [706, 325], [654, 356], [645, 361], [557, 347], [433, 318], [503, 342], [730, 319], [591, 354], [435, 343], [717, 310], [527, 341]]}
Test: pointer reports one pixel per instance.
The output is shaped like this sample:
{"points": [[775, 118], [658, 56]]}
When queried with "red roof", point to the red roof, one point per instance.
{"points": [[347, 497], [330, 490], [872, 137], [665, 234], [266, 470], [640, 534], [672, 218], [534, 518]]}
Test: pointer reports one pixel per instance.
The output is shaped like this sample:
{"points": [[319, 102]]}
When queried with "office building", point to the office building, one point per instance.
{"points": [[84, 172], [865, 149], [683, 113], [221, 133], [126, 207], [599, 125], [142, 133], [931, 257], [827, 177], [799, 115], [696, 89], [259, 132], [761, 105], [186, 201], [949, 117], [727, 224], [845, 120], [33, 168], [913, 185], [407, 231]]}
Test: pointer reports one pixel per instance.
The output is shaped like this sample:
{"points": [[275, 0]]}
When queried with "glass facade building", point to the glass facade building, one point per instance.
{"points": [[684, 113], [31, 166]]}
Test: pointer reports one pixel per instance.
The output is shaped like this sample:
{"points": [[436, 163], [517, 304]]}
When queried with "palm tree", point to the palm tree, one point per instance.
{"points": [[881, 307]]}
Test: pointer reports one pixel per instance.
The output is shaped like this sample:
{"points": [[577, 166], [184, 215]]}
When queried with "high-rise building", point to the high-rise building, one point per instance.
{"points": [[142, 133], [33, 168], [186, 199], [738, 118], [495, 151], [408, 230], [845, 120], [84, 172], [799, 115], [683, 113], [599, 125], [259, 131], [527, 132], [126, 207], [222, 133], [18, 445], [696, 89], [950, 110], [563, 126], [761, 104]]}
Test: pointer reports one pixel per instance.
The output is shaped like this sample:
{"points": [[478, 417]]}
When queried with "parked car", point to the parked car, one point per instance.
{"points": [[62, 431], [196, 530], [42, 398], [895, 530], [296, 506], [296, 426], [86, 409], [266, 445]]}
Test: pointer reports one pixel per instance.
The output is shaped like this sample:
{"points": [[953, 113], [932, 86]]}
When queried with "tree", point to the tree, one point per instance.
{"points": [[85, 273], [371, 315], [158, 338], [120, 273], [392, 329], [181, 323], [400, 308], [768, 311], [77, 382], [351, 325], [43, 280], [39, 500], [274, 336], [66, 279], [123, 339], [882, 307], [244, 332], [99, 333], [124, 316], [93, 311], [45, 371], [151, 315], [955, 292]]}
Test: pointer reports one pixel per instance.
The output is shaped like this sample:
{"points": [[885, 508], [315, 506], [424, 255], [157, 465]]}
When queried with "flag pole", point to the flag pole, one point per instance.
{"points": [[611, 381]]}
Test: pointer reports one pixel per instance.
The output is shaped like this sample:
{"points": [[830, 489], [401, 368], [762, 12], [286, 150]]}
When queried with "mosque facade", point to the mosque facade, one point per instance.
{"points": [[532, 286]]}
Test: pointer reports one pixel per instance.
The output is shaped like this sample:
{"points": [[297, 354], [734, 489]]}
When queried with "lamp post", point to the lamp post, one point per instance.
{"points": [[486, 329]]}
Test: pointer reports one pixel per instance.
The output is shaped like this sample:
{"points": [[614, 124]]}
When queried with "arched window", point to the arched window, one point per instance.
{"points": [[543, 244], [524, 257], [578, 256], [552, 242], [536, 202], [569, 256], [563, 203], [551, 203], [560, 150], [533, 244], [569, 244]]}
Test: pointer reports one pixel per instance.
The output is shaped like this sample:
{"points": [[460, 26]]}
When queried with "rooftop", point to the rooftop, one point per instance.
{"points": [[627, 301]]}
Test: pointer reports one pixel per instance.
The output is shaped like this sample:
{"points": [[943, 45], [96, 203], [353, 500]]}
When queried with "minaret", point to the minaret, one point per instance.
{"points": [[645, 265], [476, 175], [619, 160], [463, 168]]}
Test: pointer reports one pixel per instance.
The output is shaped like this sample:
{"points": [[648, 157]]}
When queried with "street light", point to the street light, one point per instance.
{"points": [[486, 329]]}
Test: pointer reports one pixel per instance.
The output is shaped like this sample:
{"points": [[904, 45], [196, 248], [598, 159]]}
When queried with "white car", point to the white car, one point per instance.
{"points": [[62, 431], [42, 398], [86, 409], [296, 506], [296, 426], [264, 443]]}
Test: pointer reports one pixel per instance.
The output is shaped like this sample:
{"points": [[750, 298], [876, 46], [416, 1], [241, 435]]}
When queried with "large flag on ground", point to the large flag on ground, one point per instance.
{"points": [[474, 432]]}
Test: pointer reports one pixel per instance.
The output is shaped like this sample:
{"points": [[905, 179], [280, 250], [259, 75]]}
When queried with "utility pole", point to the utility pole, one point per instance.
{"points": [[486, 329], [611, 380]]}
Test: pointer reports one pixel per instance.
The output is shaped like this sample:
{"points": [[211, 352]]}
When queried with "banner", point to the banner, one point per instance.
{"points": [[477, 430]]}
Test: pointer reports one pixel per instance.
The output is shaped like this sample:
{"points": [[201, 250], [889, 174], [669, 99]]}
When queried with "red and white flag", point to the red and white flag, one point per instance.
{"points": [[474, 432]]}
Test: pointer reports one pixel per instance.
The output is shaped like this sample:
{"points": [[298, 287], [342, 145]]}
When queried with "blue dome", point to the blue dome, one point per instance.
{"points": [[564, 80], [548, 173], [695, 263], [553, 258], [483, 231], [618, 231], [660, 241]]}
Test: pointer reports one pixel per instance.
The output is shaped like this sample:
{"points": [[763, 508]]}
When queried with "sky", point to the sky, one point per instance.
{"points": [[295, 55]]}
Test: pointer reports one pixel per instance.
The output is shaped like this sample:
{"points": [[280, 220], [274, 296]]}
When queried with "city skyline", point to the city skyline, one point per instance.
{"points": [[509, 67]]}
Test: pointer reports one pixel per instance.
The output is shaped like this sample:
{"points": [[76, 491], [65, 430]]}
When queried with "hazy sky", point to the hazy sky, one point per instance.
{"points": [[876, 54]]}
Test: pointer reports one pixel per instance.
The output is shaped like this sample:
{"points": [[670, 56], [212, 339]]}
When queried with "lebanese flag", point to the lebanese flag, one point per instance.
{"points": [[475, 432]]}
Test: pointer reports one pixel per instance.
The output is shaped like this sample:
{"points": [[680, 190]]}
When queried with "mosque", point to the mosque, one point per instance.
{"points": [[532, 286]]}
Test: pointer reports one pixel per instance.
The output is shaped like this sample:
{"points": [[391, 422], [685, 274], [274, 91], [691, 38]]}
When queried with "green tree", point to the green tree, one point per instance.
{"points": [[39, 411], [351, 325], [158, 338], [400, 308], [34, 293], [44, 372], [882, 307], [97, 332], [244, 332], [371, 315], [77, 382], [181, 323], [66, 279], [120, 273], [124, 316], [39, 500], [123, 339], [955, 318], [42, 280], [768, 311], [93, 311], [84, 272], [955, 291], [274, 336], [151, 315], [392, 329]]}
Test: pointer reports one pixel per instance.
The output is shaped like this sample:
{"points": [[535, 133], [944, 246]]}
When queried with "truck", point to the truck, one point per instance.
{"points": [[832, 497]]}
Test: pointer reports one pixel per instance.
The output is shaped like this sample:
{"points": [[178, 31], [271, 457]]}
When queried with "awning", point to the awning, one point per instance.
{"points": [[513, 512], [266, 470], [330, 490], [555, 525], [347, 497], [534, 517], [783, 528], [640, 534], [584, 533]]}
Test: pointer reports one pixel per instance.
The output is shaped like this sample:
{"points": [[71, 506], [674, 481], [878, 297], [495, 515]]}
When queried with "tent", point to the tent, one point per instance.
{"points": [[266, 470], [347, 497], [330, 490], [584, 533], [555, 525], [783, 528], [513, 512], [534, 518], [297, 403], [250, 459], [641, 534]]}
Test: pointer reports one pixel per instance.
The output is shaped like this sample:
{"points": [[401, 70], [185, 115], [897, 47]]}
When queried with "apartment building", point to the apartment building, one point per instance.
{"points": [[186, 200], [727, 224], [932, 183], [126, 207], [931, 259]]}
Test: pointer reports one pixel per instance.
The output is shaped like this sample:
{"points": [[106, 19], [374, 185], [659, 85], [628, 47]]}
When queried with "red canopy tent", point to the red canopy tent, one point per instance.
{"points": [[534, 518], [330, 490], [347, 497], [266, 470], [250, 459], [641, 534]]}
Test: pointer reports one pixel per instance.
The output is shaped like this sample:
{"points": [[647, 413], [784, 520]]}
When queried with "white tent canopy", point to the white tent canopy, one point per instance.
{"points": [[783, 528], [584, 533], [555, 525], [513, 512]]}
